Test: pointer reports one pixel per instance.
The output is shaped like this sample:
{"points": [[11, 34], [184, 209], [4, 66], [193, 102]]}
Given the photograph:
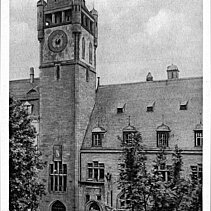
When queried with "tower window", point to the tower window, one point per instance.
{"points": [[198, 138], [57, 72], [87, 75], [90, 53], [96, 171], [58, 176], [83, 48]]}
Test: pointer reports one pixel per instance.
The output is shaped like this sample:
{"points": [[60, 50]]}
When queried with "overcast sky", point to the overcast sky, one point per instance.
{"points": [[135, 37]]}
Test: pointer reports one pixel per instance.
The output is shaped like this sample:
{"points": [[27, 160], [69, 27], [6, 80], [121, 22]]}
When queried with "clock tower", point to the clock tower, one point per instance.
{"points": [[67, 34]]}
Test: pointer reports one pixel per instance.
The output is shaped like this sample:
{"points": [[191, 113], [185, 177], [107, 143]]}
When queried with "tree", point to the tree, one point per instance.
{"points": [[147, 190], [137, 184], [24, 160]]}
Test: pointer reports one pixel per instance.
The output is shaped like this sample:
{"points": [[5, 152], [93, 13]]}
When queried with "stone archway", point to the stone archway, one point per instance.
{"points": [[93, 206], [58, 206]]}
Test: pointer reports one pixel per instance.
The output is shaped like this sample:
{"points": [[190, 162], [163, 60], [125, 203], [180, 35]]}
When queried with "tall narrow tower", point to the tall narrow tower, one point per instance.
{"points": [[67, 33]]}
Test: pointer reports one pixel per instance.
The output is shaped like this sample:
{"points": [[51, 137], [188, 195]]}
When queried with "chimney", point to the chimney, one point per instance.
{"points": [[149, 77], [31, 75]]}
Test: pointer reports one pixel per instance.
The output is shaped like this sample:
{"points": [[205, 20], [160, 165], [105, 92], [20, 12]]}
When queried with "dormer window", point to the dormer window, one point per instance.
{"points": [[184, 105], [150, 107], [198, 135], [28, 107], [97, 136], [128, 133], [120, 108], [163, 132]]}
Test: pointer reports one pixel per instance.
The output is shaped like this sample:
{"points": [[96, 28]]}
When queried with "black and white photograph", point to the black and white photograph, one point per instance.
{"points": [[108, 106]]}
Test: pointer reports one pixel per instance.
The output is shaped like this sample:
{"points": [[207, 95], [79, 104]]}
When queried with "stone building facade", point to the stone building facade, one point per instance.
{"points": [[78, 124]]}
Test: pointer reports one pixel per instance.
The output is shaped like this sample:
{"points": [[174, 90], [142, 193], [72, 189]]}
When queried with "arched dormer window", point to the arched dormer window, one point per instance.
{"points": [[198, 135], [163, 132], [90, 53], [98, 134], [128, 133], [83, 48], [58, 206]]}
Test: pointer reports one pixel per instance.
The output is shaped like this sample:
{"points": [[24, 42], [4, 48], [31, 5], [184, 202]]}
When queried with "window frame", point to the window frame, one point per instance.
{"points": [[197, 172], [96, 170], [57, 177], [165, 143], [83, 48], [90, 53], [97, 138], [200, 138]]}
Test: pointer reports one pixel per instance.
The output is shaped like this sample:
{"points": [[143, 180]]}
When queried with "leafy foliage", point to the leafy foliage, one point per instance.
{"points": [[147, 190], [24, 160]]}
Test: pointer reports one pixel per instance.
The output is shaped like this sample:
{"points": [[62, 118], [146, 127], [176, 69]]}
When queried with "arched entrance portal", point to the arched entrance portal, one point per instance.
{"points": [[58, 206], [93, 206]]}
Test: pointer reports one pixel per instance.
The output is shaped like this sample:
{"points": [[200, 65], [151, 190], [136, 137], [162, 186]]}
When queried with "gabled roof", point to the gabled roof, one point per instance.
{"points": [[20, 88]]}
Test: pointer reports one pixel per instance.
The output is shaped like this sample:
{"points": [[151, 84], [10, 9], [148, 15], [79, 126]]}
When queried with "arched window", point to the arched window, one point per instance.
{"points": [[58, 206], [83, 48], [90, 53]]}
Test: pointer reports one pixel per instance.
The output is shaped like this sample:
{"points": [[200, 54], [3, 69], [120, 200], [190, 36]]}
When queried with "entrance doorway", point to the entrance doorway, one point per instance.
{"points": [[58, 206]]}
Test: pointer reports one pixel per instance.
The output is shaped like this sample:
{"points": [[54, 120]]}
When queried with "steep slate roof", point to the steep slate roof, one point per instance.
{"points": [[20, 88], [166, 95]]}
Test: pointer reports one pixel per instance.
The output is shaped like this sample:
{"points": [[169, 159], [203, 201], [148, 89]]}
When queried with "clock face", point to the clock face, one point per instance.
{"points": [[57, 41]]}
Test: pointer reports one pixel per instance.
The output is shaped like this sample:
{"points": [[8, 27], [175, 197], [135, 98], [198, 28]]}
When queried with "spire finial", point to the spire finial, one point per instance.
{"points": [[162, 118], [128, 120], [200, 117], [98, 121]]}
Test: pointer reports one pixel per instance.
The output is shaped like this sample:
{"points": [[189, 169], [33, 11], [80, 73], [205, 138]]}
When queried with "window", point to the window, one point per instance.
{"points": [[57, 72], [97, 139], [128, 136], [150, 107], [120, 108], [28, 107], [87, 75], [198, 138], [87, 198], [162, 139], [83, 48], [196, 172], [58, 177], [98, 134], [163, 132], [122, 201], [96, 171], [164, 170], [98, 197], [183, 105], [90, 53]]}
